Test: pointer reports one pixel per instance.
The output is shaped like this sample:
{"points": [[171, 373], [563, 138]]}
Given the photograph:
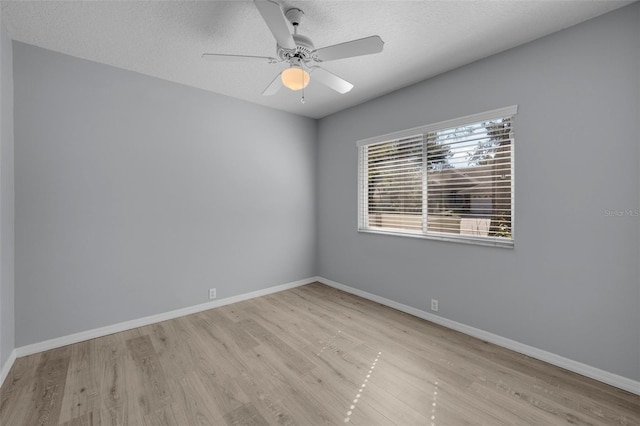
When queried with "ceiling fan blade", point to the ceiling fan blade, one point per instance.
{"points": [[330, 80], [277, 22], [215, 57], [273, 87], [349, 49]]}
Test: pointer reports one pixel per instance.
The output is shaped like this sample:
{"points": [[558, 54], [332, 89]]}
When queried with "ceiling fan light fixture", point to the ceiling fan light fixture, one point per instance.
{"points": [[295, 78]]}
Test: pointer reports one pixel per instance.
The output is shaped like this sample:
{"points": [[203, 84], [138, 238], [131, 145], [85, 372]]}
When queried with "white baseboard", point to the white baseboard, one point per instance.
{"points": [[128, 325], [571, 365], [612, 379], [4, 371]]}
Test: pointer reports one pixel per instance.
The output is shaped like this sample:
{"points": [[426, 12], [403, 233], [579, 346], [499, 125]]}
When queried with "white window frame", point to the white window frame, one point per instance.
{"points": [[363, 208]]}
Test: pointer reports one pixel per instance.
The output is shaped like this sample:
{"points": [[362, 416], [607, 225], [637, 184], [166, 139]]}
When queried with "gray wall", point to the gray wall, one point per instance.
{"points": [[7, 319], [571, 285], [134, 195]]}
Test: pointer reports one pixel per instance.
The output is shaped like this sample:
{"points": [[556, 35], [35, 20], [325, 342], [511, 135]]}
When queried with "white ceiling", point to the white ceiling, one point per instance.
{"points": [[166, 38]]}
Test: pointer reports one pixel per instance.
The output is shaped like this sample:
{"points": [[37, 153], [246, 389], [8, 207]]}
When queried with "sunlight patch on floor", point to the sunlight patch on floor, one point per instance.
{"points": [[434, 404], [364, 384], [329, 342]]}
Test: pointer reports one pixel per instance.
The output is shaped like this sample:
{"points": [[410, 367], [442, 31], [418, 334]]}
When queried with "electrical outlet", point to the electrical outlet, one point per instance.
{"points": [[434, 305], [212, 293]]}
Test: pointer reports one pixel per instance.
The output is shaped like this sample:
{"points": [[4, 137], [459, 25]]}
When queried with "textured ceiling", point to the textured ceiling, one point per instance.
{"points": [[166, 38]]}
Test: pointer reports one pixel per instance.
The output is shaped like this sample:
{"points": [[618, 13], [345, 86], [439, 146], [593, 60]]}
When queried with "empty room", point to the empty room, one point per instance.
{"points": [[282, 212]]}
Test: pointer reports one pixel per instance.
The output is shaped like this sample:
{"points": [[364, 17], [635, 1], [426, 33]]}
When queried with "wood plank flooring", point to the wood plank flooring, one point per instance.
{"points": [[312, 355]]}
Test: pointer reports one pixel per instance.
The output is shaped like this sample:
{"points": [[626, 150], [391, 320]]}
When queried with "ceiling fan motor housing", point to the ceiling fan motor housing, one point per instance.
{"points": [[304, 45]]}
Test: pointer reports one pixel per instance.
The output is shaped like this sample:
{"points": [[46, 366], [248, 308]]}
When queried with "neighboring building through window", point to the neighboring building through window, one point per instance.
{"points": [[451, 180]]}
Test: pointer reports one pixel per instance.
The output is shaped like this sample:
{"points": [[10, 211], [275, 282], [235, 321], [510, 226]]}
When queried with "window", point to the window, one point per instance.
{"points": [[451, 180]]}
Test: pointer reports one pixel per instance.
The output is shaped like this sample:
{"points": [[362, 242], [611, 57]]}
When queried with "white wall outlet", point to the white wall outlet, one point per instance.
{"points": [[434, 305], [212, 293]]}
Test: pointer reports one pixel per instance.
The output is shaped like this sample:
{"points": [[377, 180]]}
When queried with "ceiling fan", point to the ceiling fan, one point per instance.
{"points": [[299, 52]]}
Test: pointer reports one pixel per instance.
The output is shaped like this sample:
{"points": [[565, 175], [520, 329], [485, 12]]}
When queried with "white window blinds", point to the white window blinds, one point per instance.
{"points": [[393, 196], [451, 180]]}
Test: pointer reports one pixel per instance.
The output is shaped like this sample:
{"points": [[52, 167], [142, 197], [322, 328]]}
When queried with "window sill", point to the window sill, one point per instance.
{"points": [[465, 239]]}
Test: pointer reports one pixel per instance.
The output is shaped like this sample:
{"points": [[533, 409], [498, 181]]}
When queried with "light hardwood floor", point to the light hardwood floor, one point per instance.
{"points": [[312, 355]]}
